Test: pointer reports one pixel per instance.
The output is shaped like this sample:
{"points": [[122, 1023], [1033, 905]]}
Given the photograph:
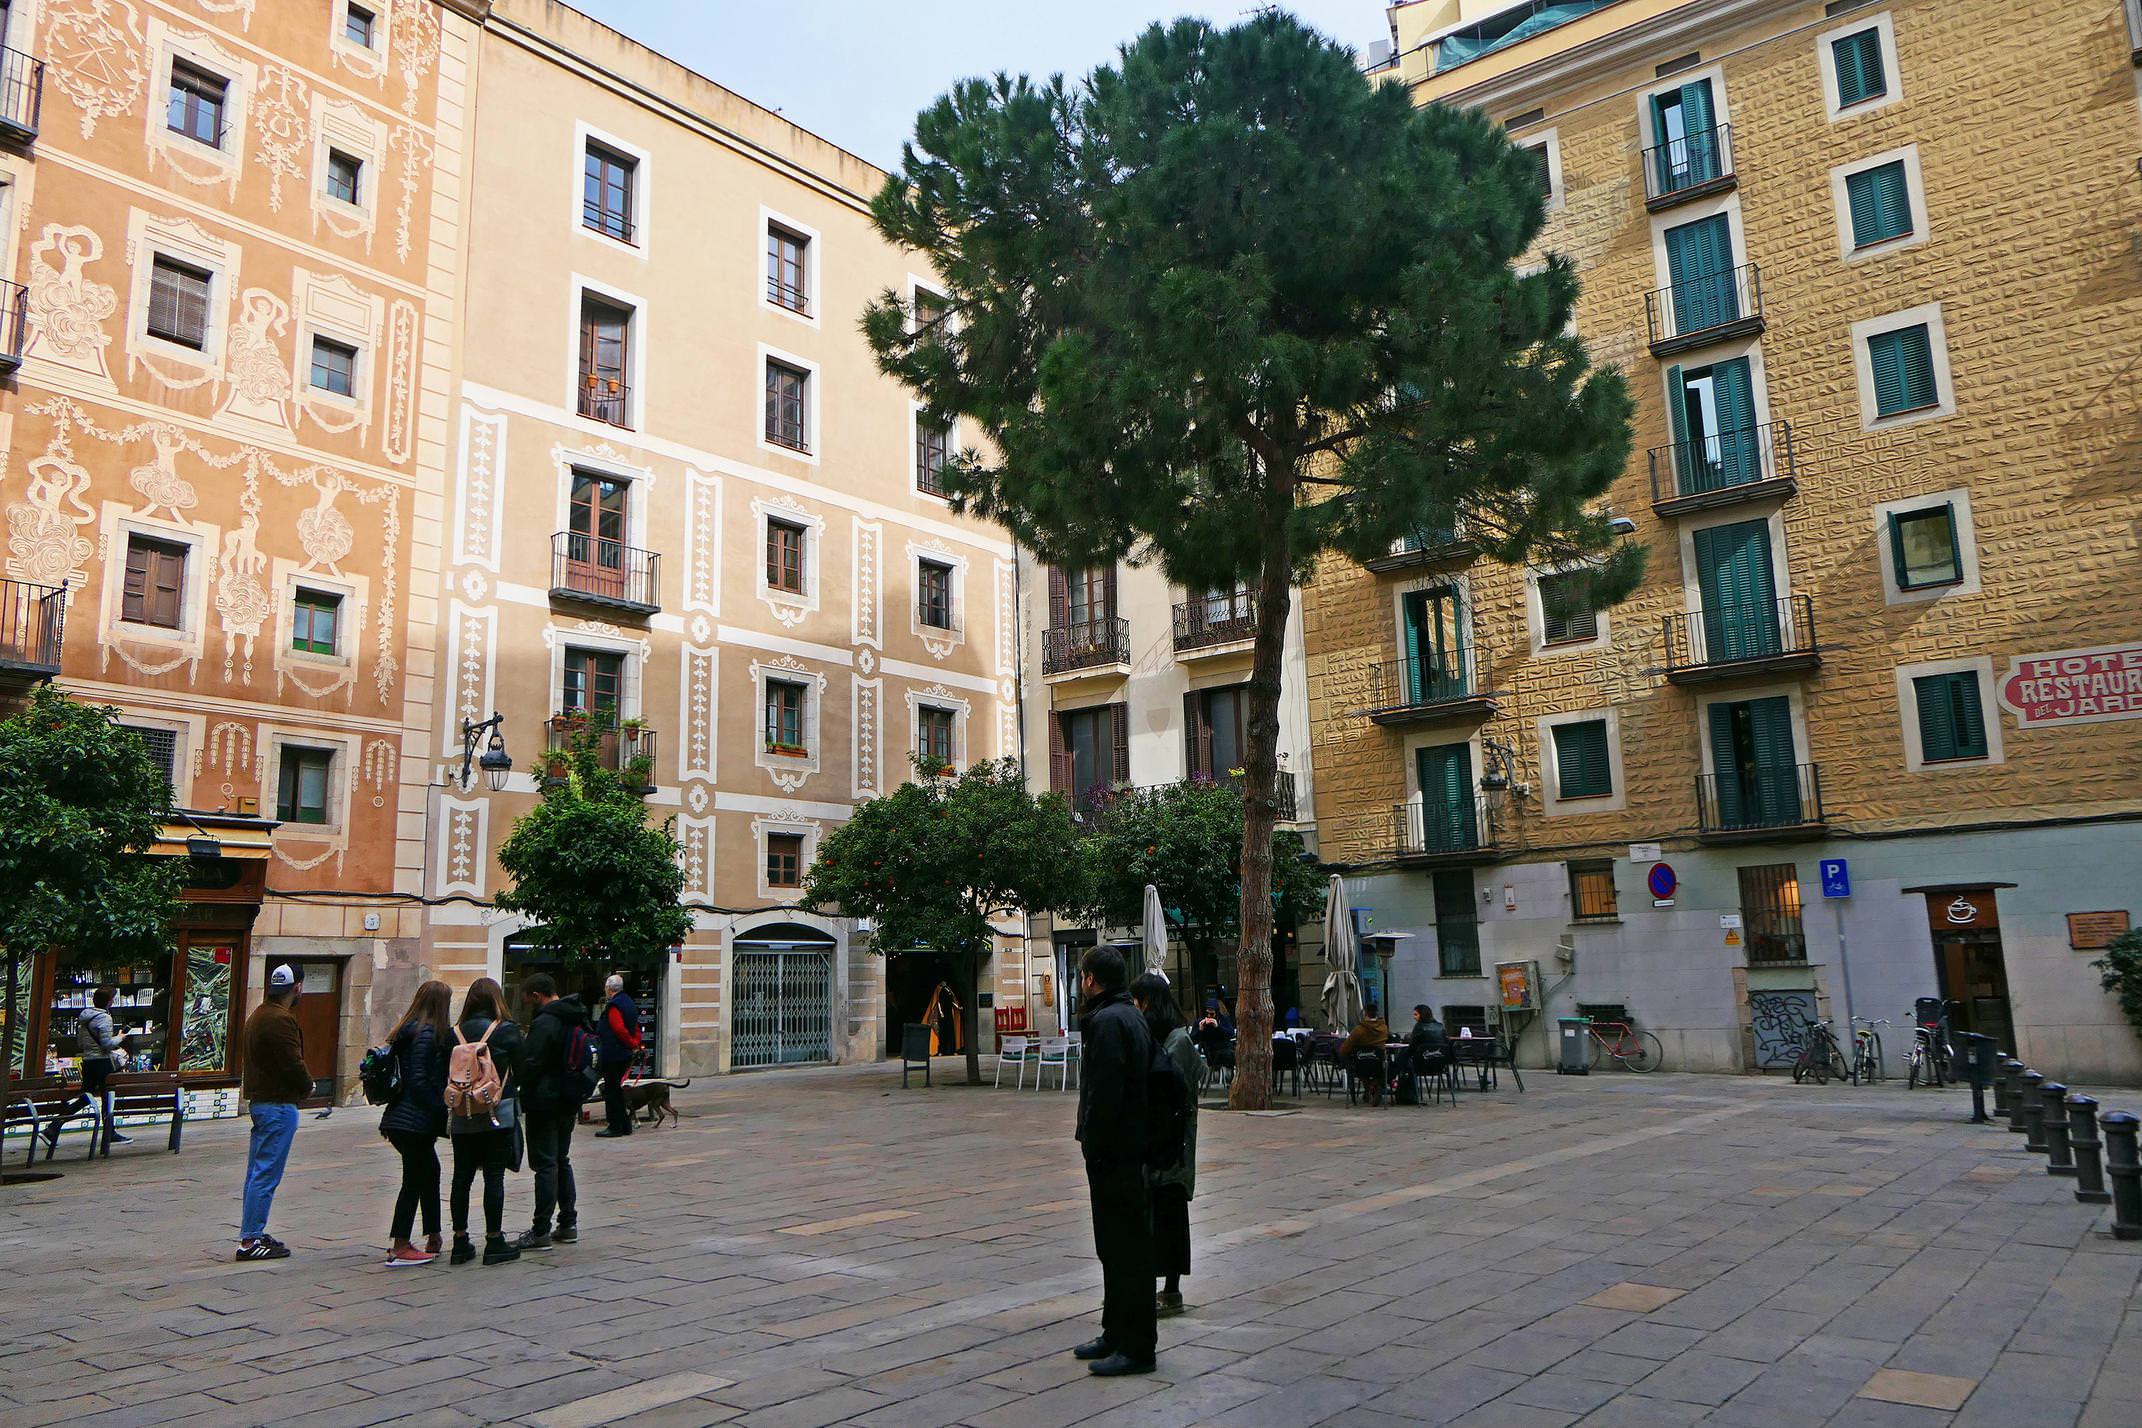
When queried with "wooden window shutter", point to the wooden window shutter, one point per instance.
{"points": [[134, 597], [1059, 756], [1119, 729], [1108, 593], [1197, 737], [1059, 598], [167, 586]]}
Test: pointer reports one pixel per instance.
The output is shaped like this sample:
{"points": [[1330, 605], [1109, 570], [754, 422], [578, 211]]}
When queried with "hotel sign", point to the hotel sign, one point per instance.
{"points": [[2075, 686]]}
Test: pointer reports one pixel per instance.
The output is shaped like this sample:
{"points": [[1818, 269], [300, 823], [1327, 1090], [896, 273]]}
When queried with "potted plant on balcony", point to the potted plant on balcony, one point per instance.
{"points": [[555, 763], [638, 772]]}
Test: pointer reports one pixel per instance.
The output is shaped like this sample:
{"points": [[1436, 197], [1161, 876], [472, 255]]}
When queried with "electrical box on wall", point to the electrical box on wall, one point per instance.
{"points": [[1517, 984]]}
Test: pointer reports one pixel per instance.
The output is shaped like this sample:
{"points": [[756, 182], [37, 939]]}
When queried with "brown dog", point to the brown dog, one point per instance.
{"points": [[648, 1101]]}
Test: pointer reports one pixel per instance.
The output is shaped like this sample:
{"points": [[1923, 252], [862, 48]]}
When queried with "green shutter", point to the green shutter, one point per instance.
{"points": [[1582, 767], [1777, 772], [1879, 201], [1699, 265], [1860, 75], [1448, 821], [1903, 363], [1697, 122], [1952, 722], [1739, 452], [1740, 610], [1687, 460], [1726, 772]]}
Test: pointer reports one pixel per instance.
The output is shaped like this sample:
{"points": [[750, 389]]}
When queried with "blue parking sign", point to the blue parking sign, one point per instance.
{"points": [[1836, 878]]}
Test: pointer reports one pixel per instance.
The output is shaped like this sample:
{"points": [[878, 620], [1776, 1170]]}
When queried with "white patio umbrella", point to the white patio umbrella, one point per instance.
{"points": [[1342, 986], [1156, 932]]}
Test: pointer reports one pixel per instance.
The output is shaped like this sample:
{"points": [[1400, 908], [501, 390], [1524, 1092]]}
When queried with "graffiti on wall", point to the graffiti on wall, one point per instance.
{"points": [[1782, 1023]]}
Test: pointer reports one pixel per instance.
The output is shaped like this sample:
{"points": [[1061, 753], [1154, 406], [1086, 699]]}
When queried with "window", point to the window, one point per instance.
{"points": [[785, 273], [1216, 731], [301, 789], [1686, 151], [784, 860], [343, 175], [161, 745], [1903, 365], [1591, 892], [357, 23], [1090, 595], [334, 366], [1567, 611], [605, 356], [196, 104], [933, 735], [594, 684], [1770, 913], [784, 557], [930, 310], [1716, 442], [1703, 286], [784, 717], [1457, 924], [1924, 547], [1545, 167], [155, 588], [1479, 1020], [1860, 73], [178, 303], [315, 621], [1952, 720], [1089, 752], [933, 594], [786, 393], [606, 192], [1879, 201], [1583, 768], [933, 444]]}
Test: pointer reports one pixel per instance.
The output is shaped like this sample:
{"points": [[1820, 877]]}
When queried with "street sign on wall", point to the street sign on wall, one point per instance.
{"points": [[1836, 877], [2074, 686]]}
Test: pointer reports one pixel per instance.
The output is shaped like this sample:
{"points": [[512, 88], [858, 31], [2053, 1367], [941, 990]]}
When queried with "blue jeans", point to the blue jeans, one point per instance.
{"points": [[273, 1126]]}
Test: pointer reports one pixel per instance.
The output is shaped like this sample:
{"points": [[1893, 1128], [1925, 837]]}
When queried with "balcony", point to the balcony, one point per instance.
{"points": [[1453, 834], [1707, 308], [14, 310], [1101, 645], [1423, 549], [22, 96], [1735, 641], [605, 399], [1211, 624], [1752, 464], [1688, 167], [626, 748], [1285, 807], [1766, 801], [32, 618], [602, 572], [1427, 689]]}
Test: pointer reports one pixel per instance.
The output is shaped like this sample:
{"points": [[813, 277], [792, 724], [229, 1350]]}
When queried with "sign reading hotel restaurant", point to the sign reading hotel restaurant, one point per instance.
{"points": [[2075, 686]]}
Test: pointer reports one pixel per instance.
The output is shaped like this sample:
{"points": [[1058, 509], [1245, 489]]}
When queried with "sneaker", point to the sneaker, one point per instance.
{"points": [[532, 1240], [261, 1249], [565, 1235], [500, 1251], [272, 1240], [410, 1260], [463, 1250], [117, 1139]]}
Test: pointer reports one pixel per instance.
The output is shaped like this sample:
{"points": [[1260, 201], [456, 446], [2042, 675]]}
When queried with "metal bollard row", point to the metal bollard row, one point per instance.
{"points": [[2075, 1140], [2125, 1169]]}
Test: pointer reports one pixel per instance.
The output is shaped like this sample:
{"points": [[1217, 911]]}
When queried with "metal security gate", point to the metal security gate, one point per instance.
{"points": [[781, 998]]}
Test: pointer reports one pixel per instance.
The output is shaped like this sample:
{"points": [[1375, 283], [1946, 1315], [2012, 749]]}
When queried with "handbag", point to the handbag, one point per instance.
{"points": [[506, 1115]]}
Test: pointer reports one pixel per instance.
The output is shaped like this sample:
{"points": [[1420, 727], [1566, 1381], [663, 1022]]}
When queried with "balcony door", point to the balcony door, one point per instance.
{"points": [[1216, 731], [1449, 822], [594, 684], [1758, 779], [1740, 595], [595, 536], [1699, 266], [1434, 637], [1715, 440], [1685, 133], [605, 349]]}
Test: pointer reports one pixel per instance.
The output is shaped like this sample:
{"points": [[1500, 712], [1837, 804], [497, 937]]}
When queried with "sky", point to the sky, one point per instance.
{"points": [[856, 72]]}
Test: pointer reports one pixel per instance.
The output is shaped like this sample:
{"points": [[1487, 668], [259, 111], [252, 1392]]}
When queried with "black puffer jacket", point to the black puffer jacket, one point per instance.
{"points": [[1116, 1051], [420, 1107], [505, 1044], [544, 1079]]}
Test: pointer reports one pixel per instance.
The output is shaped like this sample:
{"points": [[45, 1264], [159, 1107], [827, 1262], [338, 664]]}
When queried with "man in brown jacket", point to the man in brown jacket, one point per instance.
{"points": [[275, 1081]]}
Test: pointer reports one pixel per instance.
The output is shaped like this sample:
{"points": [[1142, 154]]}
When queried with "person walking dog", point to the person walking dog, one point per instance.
{"points": [[618, 1038], [416, 1118], [275, 1081], [1112, 1134]]}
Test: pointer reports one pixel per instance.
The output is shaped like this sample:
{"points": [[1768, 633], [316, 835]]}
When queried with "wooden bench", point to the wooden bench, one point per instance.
{"points": [[43, 1106]]}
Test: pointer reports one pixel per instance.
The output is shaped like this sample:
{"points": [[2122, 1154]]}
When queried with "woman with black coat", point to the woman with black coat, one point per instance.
{"points": [[487, 1144], [417, 1118]]}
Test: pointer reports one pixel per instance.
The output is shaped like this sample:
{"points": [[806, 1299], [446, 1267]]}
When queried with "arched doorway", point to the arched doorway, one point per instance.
{"points": [[780, 996]]}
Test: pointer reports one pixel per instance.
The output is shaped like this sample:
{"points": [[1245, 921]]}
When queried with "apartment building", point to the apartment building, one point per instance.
{"points": [[1134, 682], [689, 516], [230, 288], [1868, 731]]}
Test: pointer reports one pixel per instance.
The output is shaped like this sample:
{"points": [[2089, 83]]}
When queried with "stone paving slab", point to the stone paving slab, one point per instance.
{"points": [[820, 1247]]}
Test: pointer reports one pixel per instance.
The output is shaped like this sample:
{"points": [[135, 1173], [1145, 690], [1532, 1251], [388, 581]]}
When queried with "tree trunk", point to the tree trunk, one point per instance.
{"points": [[971, 1015], [1252, 1089]]}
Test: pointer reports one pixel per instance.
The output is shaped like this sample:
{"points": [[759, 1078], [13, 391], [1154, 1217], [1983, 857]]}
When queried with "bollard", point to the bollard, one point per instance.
{"points": [[2033, 1112], [2089, 1160], [2000, 1084], [2059, 1159], [1979, 1054], [2126, 1173], [2015, 1096]]}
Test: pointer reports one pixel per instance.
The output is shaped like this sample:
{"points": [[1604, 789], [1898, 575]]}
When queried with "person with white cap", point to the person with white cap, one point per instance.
{"points": [[275, 1081]]}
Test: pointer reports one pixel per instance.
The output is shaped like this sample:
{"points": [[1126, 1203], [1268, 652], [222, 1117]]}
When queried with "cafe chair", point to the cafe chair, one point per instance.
{"points": [[1056, 1052], [1015, 1051]]}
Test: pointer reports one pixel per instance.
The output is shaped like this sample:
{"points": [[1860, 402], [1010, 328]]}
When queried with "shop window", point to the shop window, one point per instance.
{"points": [[344, 174], [154, 592], [301, 788], [140, 1011], [178, 303], [784, 860], [1770, 914], [1460, 1016], [315, 622], [1591, 892], [196, 104]]}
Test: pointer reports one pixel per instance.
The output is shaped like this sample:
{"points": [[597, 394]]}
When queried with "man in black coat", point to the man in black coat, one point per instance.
{"points": [[551, 1093], [1116, 1054]]}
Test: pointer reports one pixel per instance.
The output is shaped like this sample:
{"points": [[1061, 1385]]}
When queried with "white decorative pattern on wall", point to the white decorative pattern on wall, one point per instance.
{"points": [[470, 656], [93, 56], [45, 543], [869, 571], [869, 737], [697, 712], [260, 363], [463, 853], [1007, 620], [696, 836], [702, 542], [283, 126], [401, 380], [68, 309], [483, 488]]}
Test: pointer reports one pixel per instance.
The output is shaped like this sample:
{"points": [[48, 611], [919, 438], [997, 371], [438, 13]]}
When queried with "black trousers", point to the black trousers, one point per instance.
{"points": [[1123, 1239], [488, 1152], [1171, 1230], [613, 1098], [550, 1156], [420, 1182]]}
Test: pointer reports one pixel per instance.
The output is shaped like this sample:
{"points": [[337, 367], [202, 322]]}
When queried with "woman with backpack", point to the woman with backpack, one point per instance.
{"points": [[1172, 1186], [416, 1118], [480, 1073]]}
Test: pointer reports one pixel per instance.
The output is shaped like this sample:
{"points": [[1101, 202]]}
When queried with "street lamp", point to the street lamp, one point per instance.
{"points": [[495, 762]]}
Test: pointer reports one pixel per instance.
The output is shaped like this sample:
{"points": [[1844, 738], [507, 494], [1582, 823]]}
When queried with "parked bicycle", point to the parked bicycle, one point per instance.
{"points": [[1636, 1050], [1931, 1055], [1867, 1049], [1820, 1057]]}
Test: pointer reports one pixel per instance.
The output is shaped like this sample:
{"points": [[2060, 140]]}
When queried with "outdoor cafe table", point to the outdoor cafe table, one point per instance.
{"points": [[1483, 1054]]}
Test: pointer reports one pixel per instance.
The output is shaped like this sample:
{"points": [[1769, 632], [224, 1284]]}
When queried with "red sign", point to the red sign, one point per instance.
{"points": [[2075, 686], [1011, 1018]]}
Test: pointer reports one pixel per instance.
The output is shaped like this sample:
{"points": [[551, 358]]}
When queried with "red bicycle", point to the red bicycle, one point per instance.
{"points": [[1636, 1050]]}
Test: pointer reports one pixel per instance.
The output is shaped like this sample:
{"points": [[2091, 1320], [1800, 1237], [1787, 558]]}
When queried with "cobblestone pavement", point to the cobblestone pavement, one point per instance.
{"points": [[822, 1247]]}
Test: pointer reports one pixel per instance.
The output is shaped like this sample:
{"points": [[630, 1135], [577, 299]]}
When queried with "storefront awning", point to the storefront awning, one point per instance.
{"points": [[238, 837]]}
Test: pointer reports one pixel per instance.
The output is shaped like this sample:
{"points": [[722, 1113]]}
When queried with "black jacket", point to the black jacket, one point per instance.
{"points": [[505, 1044], [1427, 1038], [420, 1106], [1115, 1054], [541, 1065]]}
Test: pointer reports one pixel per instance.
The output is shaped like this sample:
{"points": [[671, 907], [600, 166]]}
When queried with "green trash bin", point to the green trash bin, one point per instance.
{"points": [[1576, 1045]]}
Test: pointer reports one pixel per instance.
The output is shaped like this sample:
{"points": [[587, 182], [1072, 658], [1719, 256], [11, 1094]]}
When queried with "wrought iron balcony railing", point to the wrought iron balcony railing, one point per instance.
{"points": [[605, 399], [1430, 686], [32, 622], [22, 95], [1707, 470], [1210, 620], [1442, 830], [1728, 637], [1684, 167], [14, 328], [1088, 644], [1708, 307], [604, 572], [624, 746], [1765, 798]]}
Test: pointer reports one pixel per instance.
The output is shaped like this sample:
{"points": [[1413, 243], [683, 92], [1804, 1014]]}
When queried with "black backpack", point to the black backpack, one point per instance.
{"points": [[1167, 1115], [380, 1073]]}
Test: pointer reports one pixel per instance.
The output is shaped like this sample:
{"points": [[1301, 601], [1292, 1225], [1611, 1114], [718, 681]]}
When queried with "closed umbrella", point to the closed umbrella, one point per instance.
{"points": [[1156, 932], [1342, 987]]}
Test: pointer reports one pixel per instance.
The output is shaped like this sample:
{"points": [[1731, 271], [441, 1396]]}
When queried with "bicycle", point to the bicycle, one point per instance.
{"points": [[1929, 1059], [1633, 1049], [1820, 1057], [1867, 1050]]}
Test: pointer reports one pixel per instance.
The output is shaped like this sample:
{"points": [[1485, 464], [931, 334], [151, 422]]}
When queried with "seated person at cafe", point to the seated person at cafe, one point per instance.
{"points": [[1427, 1049], [1214, 1037], [1362, 1051]]}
